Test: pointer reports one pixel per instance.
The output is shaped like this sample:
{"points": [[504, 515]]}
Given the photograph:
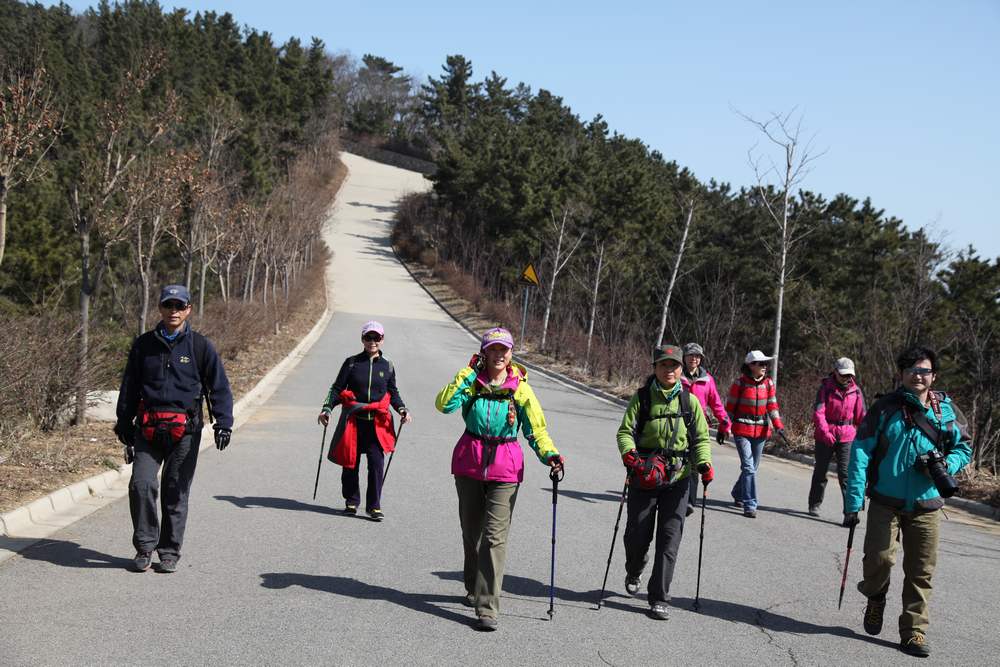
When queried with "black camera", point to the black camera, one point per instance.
{"points": [[934, 463]]}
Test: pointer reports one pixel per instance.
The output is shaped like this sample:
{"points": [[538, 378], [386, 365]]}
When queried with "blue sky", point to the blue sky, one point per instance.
{"points": [[903, 96]]}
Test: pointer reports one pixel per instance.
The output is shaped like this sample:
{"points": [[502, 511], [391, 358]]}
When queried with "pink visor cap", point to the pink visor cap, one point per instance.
{"points": [[373, 326], [497, 335]]}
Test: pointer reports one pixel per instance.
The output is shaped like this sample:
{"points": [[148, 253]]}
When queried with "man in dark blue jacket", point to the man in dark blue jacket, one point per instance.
{"points": [[169, 369]]}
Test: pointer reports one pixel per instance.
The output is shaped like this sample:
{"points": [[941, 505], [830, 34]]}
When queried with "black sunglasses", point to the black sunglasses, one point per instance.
{"points": [[371, 338], [173, 305]]}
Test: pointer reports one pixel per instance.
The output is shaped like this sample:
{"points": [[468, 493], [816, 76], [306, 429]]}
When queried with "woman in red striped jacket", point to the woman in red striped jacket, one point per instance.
{"points": [[753, 407]]}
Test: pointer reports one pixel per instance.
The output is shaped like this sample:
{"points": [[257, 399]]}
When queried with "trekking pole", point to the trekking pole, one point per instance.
{"points": [[393, 453], [847, 560], [614, 538], [555, 476], [322, 445], [701, 542]]}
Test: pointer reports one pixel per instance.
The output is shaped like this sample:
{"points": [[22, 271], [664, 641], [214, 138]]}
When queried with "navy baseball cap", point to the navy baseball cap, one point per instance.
{"points": [[176, 293]]}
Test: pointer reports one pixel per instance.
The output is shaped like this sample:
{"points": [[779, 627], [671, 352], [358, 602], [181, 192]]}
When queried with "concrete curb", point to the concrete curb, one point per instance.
{"points": [[21, 527], [971, 506]]}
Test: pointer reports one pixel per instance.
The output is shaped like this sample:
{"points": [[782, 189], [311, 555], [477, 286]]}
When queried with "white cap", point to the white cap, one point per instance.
{"points": [[756, 355], [844, 366]]}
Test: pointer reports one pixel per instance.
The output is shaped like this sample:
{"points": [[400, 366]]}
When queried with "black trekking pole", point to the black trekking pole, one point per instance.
{"points": [[393, 453], [322, 445], [847, 560], [555, 476], [701, 542], [614, 538]]}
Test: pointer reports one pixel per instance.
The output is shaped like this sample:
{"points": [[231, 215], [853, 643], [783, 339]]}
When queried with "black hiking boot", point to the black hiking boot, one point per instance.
{"points": [[632, 584], [375, 515], [486, 624], [916, 645], [814, 510], [351, 510], [167, 565], [142, 561], [873, 615], [659, 611]]}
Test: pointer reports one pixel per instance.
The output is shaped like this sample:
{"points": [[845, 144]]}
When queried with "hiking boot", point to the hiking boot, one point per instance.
{"points": [[142, 561], [632, 584], [873, 615], [814, 510], [167, 565], [375, 515], [659, 611], [750, 514], [689, 511], [916, 645], [469, 600], [351, 509], [737, 503], [486, 624]]}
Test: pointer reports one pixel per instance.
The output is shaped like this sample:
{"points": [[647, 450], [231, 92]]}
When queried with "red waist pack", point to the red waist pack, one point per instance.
{"points": [[164, 426]]}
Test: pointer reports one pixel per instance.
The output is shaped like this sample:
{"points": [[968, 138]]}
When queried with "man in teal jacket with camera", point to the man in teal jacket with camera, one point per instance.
{"points": [[905, 454]]}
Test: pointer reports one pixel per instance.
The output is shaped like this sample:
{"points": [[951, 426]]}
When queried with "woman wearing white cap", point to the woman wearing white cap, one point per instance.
{"points": [[365, 388], [753, 406], [840, 407]]}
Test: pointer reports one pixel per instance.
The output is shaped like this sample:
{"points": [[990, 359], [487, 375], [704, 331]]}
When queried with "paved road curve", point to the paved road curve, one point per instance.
{"points": [[270, 577]]}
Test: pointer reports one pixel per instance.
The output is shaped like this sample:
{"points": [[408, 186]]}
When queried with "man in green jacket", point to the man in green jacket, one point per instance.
{"points": [[660, 440], [893, 456]]}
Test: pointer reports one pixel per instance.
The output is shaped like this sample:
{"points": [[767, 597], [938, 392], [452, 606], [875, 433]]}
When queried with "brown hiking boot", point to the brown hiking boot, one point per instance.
{"points": [[916, 645], [873, 615]]}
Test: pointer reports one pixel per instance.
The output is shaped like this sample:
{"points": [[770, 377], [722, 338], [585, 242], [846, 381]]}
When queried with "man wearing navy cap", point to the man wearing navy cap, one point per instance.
{"points": [[168, 372]]}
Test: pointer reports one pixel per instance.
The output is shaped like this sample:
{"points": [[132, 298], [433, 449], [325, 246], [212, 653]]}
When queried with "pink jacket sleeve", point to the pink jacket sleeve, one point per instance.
{"points": [[715, 405], [859, 408], [823, 434]]}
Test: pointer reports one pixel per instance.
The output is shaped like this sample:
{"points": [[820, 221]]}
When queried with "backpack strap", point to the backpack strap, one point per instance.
{"points": [[894, 403], [645, 405], [645, 394]]}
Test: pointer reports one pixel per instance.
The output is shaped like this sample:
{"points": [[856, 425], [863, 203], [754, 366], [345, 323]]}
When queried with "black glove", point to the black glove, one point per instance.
{"points": [[784, 438], [125, 432], [851, 519], [222, 436], [720, 436]]}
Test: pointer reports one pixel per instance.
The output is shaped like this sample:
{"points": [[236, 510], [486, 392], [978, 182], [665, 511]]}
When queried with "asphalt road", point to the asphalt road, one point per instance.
{"points": [[269, 576]]}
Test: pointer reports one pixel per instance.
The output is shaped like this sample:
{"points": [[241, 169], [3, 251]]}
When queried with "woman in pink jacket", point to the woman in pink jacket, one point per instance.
{"points": [[702, 385], [840, 407]]}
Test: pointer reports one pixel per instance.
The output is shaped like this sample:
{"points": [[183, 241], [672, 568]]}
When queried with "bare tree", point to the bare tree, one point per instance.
{"points": [[689, 207], [558, 233], [776, 182], [29, 125]]}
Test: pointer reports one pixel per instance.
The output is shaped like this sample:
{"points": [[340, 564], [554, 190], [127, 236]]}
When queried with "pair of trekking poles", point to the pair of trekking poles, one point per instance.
{"points": [[701, 544], [322, 446]]}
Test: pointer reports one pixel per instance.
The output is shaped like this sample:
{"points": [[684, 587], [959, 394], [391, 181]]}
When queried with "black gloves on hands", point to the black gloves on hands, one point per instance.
{"points": [[851, 519], [222, 436], [720, 436], [128, 452]]}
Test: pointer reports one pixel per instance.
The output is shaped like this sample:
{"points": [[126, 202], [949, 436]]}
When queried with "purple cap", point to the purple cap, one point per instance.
{"points": [[497, 335], [373, 326]]}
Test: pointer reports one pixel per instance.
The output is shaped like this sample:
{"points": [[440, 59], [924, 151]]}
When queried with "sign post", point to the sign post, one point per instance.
{"points": [[529, 279]]}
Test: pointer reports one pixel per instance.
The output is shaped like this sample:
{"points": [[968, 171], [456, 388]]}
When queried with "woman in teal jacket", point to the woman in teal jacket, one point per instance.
{"points": [[488, 463], [889, 456]]}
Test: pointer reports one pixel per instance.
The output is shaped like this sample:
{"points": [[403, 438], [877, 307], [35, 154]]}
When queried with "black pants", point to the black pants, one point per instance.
{"points": [[178, 460], [368, 445], [842, 450], [693, 492], [660, 512]]}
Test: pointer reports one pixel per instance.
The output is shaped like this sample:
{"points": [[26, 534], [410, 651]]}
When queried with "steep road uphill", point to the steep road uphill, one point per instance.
{"points": [[269, 576]]}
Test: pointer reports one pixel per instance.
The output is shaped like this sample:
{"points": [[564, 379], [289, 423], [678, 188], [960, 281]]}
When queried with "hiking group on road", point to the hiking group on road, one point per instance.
{"points": [[902, 454]]}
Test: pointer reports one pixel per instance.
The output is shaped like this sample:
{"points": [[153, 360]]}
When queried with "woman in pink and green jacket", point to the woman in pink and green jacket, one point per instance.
{"points": [[488, 462]]}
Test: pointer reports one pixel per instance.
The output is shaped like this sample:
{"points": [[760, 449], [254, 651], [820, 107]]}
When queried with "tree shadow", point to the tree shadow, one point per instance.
{"points": [[252, 502], [70, 554], [586, 496], [377, 207], [359, 590]]}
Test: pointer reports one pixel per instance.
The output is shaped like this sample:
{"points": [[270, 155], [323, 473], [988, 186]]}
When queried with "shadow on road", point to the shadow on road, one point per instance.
{"points": [[377, 207], [352, 588], [530, 588], [252, 502], [71, 554], [586, 496]]}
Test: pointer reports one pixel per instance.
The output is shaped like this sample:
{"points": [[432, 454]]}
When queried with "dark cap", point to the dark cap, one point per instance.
{"points": [[667, 351], [176, 293]]}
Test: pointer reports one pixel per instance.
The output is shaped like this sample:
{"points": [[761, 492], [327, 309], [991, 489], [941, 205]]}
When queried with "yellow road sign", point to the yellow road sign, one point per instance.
{"points": [[529, 277]]}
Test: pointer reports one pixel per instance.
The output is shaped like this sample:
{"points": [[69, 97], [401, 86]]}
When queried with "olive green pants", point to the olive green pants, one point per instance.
{"points": [[485, 509], [920, 531]]}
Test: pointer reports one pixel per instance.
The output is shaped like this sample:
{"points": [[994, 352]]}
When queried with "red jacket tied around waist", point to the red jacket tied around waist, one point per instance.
{"points": [[344, 445], [753, 406]]}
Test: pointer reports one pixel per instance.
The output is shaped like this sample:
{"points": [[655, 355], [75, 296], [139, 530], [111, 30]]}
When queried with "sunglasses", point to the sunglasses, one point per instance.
{"points": [[919, 371], [371, 338], [173, 305]]}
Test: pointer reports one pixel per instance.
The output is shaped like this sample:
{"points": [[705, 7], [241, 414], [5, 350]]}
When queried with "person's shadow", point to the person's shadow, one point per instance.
{"points": [[70, 554], [359, 590], [587, 496], [530, 588], [252, 502]]}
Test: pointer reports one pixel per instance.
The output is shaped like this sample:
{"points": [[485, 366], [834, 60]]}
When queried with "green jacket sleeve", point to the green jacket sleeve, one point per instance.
{"points": [[961, 451], [456, 393], [533, 423], [626, 440]]}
